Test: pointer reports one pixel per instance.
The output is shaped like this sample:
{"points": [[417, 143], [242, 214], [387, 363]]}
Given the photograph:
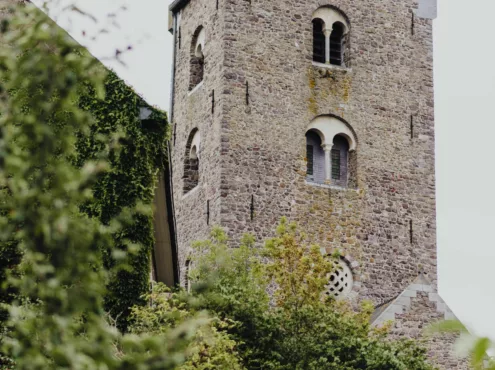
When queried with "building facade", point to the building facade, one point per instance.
{"points": [[323, 112]]}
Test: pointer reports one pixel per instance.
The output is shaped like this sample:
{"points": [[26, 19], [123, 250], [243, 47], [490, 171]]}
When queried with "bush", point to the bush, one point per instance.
{"points": [[279, 317]]}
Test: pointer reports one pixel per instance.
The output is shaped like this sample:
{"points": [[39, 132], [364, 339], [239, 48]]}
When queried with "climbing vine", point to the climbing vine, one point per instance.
{"points": [[131, 179]]}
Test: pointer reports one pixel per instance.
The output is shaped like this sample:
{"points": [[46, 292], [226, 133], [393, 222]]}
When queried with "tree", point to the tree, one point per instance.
{"points": [[58, 319]]}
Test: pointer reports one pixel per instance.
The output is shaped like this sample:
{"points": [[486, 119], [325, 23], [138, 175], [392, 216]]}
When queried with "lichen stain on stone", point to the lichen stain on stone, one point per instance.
{"points": [[312, 101], [334, 89]]}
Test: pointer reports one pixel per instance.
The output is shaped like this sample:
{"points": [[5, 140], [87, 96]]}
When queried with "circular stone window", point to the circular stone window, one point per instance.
{"points": [[340, 281]]}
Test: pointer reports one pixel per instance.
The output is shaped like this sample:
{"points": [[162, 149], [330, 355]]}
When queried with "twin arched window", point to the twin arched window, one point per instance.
{"points": [[197, 58], [331, 37], [191, 161], [330, 152]]}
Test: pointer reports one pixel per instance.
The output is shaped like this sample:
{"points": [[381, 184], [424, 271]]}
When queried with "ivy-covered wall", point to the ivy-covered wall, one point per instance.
{"points": [[131, 179]]}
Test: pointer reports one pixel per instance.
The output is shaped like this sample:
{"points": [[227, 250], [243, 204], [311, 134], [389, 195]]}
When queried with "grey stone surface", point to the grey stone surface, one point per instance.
{"points": [[258, 63]]}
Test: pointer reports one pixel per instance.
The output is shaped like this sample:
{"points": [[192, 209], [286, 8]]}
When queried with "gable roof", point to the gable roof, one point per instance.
{"points": [[401, 303]]}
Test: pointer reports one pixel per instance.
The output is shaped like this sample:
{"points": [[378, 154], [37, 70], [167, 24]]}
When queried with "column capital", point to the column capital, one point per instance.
{"points": [[327, 147]]}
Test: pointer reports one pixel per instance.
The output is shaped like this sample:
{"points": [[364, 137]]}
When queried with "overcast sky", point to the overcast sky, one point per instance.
{"points": [[465, 95]]}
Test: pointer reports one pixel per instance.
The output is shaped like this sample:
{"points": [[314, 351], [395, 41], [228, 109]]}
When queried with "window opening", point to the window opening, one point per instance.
{"points": [[315, 171], [335, 164], [337, 44], [197, 59], [340, 280], [309, 158], [318, 41], [339, 161], [191, 162]]}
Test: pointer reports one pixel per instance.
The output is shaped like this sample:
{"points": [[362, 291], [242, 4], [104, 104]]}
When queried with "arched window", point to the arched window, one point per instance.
{"points": [[331, 36], [318, 41], [337, 44], [340, 161], [315, 158], [191, 161], [197, 59], [331, 152]]}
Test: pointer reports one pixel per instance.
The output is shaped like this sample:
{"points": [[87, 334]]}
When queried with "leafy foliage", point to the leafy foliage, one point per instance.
{"points": [[129, 180], [131, 172], [297, 326], [58, 319], [476, 348], [211, 347]]}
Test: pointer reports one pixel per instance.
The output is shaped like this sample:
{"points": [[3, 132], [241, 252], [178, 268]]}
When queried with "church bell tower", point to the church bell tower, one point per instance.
{"points": [[323, 112]]}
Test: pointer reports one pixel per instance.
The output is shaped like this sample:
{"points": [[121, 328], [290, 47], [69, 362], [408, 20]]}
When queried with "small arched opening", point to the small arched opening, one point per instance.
{"points": [[318, 41], [331, 152], [191, 162], [331, 35], [197, 59], [337, 44]]}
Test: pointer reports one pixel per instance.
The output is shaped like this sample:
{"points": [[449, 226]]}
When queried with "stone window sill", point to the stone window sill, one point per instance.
{"points": [[196, 88], [330, 70], [190, 192], [329, 186]]}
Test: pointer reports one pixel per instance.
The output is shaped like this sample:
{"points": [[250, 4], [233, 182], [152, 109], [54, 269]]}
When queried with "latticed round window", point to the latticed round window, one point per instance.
{"points": [[340, 280]]}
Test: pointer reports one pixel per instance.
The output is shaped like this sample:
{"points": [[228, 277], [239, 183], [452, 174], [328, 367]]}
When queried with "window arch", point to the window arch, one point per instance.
{"points": [[191, 161], [331, 36], [331, 152], [197, 58], [315, 156]]}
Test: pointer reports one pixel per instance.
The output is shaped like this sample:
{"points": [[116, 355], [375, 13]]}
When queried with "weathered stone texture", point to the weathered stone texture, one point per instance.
{"points": [[411, 324], [258, 59], [194, 110]]}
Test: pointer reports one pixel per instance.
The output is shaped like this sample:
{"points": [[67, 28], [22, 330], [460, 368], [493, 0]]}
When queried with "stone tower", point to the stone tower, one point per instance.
{"points": [[321, 111]]}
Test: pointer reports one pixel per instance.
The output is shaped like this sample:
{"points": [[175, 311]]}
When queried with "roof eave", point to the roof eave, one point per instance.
{"points": [[177, 5]]}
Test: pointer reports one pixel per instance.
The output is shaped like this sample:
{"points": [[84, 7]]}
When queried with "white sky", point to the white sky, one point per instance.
{"points": [[465, 92]]}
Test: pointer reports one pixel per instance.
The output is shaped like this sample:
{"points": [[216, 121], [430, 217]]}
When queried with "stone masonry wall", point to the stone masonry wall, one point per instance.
{"points": [[258, 148], [193, 110], [258, 57], [424, 311], [269, 45]]}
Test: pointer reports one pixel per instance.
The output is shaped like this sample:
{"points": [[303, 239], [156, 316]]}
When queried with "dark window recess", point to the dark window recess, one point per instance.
{"points": [[335, 164], [412, 126], [413, 24], [191, 164], [339, 159], [411, 232], [197, 61], [247, 93], [251, 208], [208, 212], [213, 102], [337, 44], [318, 41], [310, 162]]}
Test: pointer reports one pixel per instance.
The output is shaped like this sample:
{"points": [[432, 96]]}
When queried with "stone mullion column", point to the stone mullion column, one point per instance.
{"points": [[328, 162], [328, 33]]}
